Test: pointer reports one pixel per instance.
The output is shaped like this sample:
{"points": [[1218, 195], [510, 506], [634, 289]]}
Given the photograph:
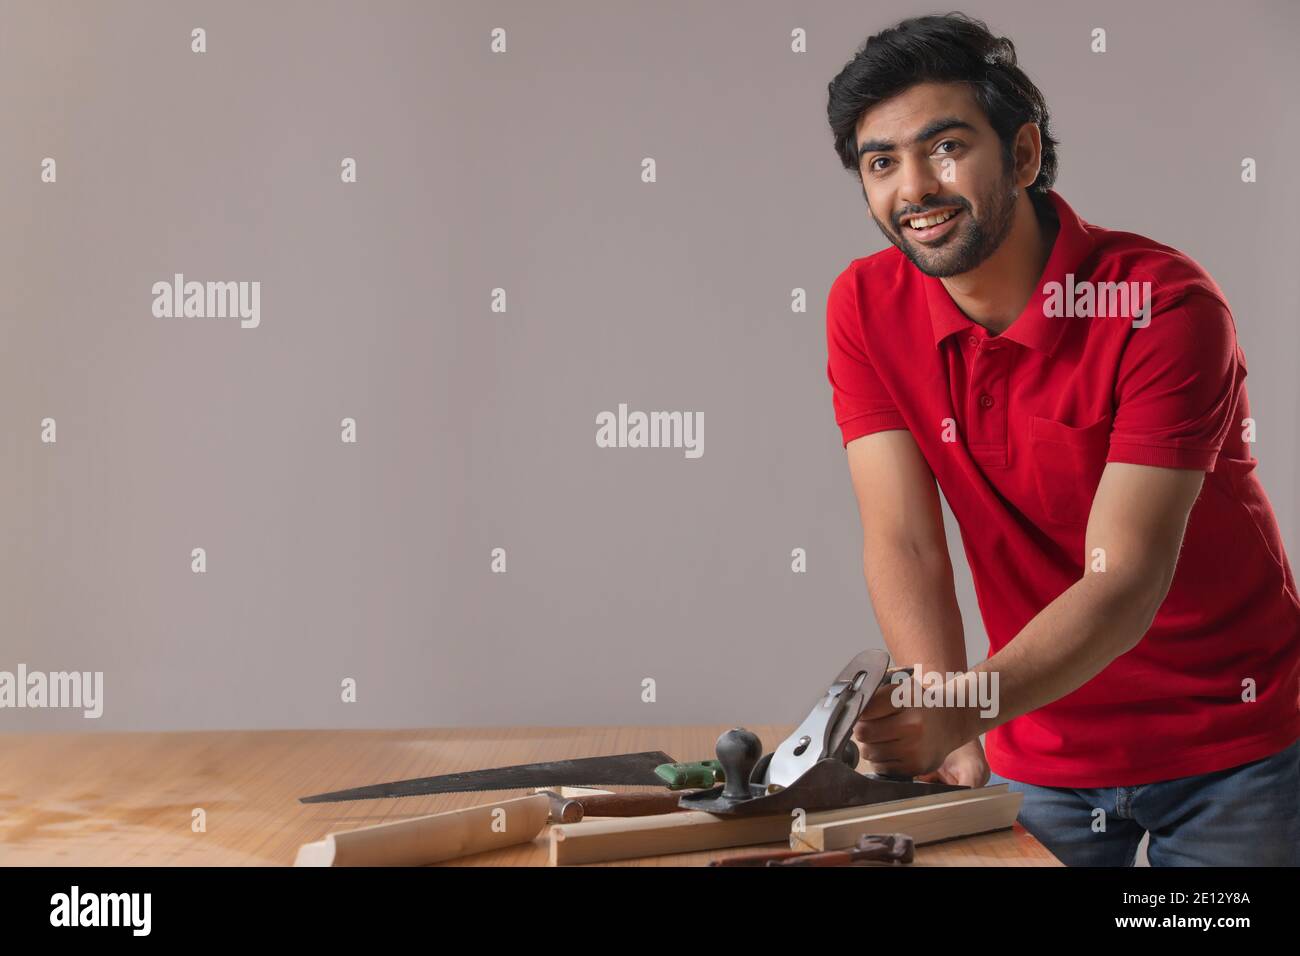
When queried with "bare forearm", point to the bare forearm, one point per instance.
{"points": [[1131, 546], [1065, 645], [915, 604]]}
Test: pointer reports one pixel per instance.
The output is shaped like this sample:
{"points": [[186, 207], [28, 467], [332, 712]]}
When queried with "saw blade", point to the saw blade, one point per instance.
{"points": [[636, 769]]}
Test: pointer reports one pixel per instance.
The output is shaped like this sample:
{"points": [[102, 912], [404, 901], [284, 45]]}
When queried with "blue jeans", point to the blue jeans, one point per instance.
{"points": [[1243, 816]]}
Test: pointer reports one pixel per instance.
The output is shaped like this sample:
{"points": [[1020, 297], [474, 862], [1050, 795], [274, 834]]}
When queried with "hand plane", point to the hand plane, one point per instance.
{"points": [[815, 768]]}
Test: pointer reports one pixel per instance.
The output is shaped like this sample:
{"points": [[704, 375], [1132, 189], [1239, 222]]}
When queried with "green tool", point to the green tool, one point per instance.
{"points": [[694, 775]]}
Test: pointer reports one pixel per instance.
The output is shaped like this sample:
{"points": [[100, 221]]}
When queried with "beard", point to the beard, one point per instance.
{"points": [[968, 244]]}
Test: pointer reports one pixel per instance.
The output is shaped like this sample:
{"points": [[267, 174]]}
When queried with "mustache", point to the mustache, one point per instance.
{"points": [[956, 201]]}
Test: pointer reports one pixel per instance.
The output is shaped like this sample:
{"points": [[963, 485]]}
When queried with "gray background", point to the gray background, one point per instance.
{"points": [[476, 429]]}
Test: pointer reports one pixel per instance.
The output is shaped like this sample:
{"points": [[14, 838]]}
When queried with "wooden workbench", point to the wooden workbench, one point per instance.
{"points": [[126, 799]]}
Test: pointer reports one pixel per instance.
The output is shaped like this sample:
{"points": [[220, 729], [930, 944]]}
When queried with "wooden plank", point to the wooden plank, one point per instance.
{"points": [[611, 838], [433, 838], [567, 791], [819, 817], [924, 824], [608, 839]]}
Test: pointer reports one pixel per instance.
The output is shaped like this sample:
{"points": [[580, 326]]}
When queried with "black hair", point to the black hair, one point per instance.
{"points": [[943, 49]]}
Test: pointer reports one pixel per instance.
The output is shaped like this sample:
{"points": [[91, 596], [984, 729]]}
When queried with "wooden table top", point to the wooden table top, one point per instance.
{"points": [[128, 799]]}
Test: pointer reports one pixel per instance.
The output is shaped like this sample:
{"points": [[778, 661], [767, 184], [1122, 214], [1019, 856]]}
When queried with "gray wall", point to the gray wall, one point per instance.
{"points": [[477, 429]]}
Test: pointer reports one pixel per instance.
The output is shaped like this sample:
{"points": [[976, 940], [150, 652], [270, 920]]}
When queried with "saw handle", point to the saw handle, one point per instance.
{"points": [[632, 803], [700, 774]]}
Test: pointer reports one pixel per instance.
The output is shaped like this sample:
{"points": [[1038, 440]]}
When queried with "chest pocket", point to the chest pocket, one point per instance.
{"points": [[1067, 464]]}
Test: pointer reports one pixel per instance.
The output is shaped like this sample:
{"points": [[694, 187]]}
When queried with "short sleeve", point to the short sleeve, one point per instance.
{"points": [[862, 404], [1177, 386]]}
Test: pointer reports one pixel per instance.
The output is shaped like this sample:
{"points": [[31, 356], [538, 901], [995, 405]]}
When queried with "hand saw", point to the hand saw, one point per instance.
{"points": [[631, 769]]}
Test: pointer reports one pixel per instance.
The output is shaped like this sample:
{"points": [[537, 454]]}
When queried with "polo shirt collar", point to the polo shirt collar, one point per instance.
{"points": [[1033, 327]]}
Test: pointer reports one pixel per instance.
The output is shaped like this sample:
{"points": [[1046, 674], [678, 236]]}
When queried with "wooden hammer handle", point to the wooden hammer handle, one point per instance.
{"points": [[636, 803]]}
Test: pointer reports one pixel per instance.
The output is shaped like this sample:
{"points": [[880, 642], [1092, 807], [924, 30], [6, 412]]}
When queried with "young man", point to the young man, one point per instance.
{"points": [[1077, 394]]}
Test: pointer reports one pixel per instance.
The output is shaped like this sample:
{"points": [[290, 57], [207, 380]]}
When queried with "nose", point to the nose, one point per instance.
{"points": [[918, 181]]}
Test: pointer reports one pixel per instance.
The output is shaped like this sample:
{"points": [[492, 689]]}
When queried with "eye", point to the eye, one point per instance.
{"points": [[879, 159], [949, 142]]}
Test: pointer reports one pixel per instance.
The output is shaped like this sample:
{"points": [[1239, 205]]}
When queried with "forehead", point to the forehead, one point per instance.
{"points": [[898, 118]]}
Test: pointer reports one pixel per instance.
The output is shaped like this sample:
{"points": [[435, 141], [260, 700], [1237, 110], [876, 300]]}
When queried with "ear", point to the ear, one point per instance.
{"points": [[1027, 151]]}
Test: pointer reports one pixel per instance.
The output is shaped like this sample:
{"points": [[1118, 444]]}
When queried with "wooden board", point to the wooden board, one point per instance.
{"points": [[953, 796], [926, 818], [927, 823], [433, 838], [934, 817], [567, 791], [599, 841]]}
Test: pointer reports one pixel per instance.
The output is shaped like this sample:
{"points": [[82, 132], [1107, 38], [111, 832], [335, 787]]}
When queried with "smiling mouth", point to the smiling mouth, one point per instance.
{"points": [[931, 225]]}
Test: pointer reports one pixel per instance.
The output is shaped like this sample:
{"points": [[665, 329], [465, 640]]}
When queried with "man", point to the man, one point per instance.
{"points": [[1077, 394]]}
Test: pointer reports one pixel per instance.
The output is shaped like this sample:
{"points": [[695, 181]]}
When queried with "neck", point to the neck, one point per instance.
{"points": [[994, 294]]}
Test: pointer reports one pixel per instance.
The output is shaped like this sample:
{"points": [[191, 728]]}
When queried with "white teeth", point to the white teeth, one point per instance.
{"points": [[925, 222]]}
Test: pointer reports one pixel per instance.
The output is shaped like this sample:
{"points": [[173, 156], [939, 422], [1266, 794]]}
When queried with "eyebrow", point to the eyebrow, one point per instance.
{"points": [[929, 132]]}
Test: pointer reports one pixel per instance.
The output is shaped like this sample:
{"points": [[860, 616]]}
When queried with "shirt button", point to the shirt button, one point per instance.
{"points": [[973, 341], [986, 401]]}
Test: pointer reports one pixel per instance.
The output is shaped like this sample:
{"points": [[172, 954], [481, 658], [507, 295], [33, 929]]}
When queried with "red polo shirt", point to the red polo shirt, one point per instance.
{"points": [[1017, 429]]}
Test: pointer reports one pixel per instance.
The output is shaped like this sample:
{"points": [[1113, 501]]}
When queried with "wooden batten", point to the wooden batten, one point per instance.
{"points": [[434, 838], [927, 823], [611, 838]]}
